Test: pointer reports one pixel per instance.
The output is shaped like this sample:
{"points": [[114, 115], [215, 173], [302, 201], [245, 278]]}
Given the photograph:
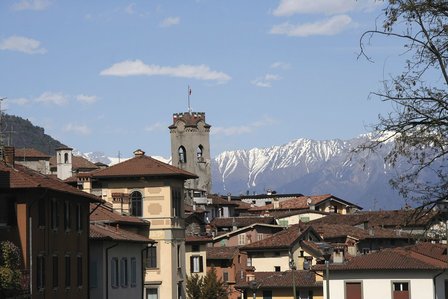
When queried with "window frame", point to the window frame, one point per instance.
{"points": [[40, 272], [114, 273], [68, 273], [400, 282], [133, 279], [196, 264], [136, 199], [55, 271], [124, 272]]}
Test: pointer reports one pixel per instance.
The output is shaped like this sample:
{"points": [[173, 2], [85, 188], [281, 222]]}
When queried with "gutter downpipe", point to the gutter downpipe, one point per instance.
{"points": [[434, 283], [107, 268]]}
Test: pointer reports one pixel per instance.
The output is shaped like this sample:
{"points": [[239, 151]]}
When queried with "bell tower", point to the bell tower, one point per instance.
{"points": [[190, 150]]}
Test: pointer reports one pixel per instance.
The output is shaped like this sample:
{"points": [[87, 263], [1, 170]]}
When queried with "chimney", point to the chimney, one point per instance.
{"points": [[229, 196], [139, 153], [9, 155]]}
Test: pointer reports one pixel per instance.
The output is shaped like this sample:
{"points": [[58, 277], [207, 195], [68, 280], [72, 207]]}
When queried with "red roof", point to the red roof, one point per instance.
{"points": [[78, 163], [105, 232], [143, 166], [272, 280], [104, 213], [21, 177], [401, 258], [221, 253], [241, 221], [21, 153], [301, 202]]}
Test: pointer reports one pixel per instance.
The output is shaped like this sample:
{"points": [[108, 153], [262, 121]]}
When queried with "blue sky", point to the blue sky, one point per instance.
{"points": [[107, 75]]}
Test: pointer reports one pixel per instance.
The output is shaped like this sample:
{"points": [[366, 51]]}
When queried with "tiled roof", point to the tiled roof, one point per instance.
{"points": [[21, 153], [217, 200], [272, 280], [283, 213], [241, 221], [198, 239], [22, 177], [242, 205], [104, 213], [281, 240], [391, 218], [301, 202], [105, 232], [142, 166], [401, 258], [329, 231], [78, 163], [221, 253]]}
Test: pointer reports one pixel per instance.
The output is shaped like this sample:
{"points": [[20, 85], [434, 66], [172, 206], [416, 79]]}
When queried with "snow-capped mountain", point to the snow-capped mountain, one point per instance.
{"points": [[302, 166], [309, 167]]}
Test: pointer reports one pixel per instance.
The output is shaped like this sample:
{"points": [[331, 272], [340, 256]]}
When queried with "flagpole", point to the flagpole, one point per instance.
{"points": [[189, 93]]}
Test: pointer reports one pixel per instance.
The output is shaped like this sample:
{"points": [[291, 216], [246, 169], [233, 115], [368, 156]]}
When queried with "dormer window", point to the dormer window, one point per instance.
{"points": [[182, 155]]}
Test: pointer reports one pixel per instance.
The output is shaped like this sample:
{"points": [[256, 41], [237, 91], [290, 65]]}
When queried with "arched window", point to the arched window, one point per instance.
{"points": [[182, 155], [136, 204], [199, 151], [66, 158]]}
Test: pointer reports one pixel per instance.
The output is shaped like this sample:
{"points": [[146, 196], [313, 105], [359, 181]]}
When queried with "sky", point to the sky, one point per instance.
{"points": [[108, 75]]}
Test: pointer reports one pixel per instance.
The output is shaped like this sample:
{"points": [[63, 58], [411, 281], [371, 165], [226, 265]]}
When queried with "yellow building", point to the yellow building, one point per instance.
{"points": [[154, 191]]}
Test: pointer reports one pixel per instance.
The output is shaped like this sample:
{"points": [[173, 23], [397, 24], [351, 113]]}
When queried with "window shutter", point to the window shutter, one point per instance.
{"points": [[201, 264], [191, 264]]}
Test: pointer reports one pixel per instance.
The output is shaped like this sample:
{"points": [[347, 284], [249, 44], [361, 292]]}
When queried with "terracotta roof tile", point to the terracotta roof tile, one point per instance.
{"points": [[300, 202], [241, 221], [283, 279], [329, 231], [221, 253], [105, 232], [142, 166], [402, 258], [22, 177], [21, 153], [78, 163], [283, 239], [105, 213], [217, 200]]}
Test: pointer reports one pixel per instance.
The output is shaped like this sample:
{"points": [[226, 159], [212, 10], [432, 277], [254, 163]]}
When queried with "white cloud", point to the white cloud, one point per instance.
{"points": [[138, 68], [86, 99], [155, 127], [330, 26], [130, 9], [170, 21], [266, 80], [243, 129], [280, 65], [291, 7], [22, 44], [31, 5], [77, 129], [19, 101], [56, 98]]}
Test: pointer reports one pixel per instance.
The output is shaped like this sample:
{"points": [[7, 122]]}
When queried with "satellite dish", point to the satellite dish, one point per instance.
{"points": [[308, 201]]}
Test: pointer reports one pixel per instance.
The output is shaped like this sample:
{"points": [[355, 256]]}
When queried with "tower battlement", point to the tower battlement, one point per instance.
{"points": [[189, 115]]}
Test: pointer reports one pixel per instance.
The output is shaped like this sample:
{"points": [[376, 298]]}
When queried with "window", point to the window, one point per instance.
{"points": [[136, 204], [67, 219], [242, 239], [133, 272], [177, 202], [124, 272], [152, 294], [42, 213], [199, 152], [400, 290], [182, 155], [7, 211], [79, 218], [40, 272], [260, 237], [196, 264], [225, 276], [67, 271], [55, 261], [277, 268], [79, 271], [353, 290], [66, 158], [54, 214], [151, 260], [178, 256], [114, 272], [249, 261]]}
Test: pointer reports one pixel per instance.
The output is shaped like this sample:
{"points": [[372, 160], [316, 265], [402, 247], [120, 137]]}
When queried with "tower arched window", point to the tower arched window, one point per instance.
{"points": [[66, 158], [136, 204], [199, 151], [182, 155]]}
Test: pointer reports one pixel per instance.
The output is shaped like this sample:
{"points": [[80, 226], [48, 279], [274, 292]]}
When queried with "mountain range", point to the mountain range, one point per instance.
{"points": [[301, 166]]}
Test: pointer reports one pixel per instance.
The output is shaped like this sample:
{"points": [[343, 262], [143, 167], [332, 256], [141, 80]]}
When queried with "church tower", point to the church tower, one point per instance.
{"points": [[64, 162], [190, 150]]}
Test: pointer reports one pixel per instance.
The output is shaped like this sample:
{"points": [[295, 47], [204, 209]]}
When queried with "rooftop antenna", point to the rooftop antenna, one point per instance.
{"points": [[1, 124], [189, 94]]}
